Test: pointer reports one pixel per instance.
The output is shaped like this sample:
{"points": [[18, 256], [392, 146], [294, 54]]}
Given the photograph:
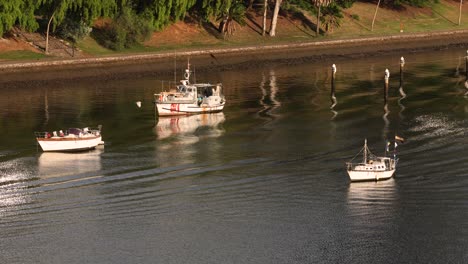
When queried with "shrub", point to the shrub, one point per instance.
{"points": [[73, 30], [126, 30]]}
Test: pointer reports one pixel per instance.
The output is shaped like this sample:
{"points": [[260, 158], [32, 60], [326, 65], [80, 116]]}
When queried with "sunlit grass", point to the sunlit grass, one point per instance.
{"points": [[90, 46], [357, 21], [21, 55]]}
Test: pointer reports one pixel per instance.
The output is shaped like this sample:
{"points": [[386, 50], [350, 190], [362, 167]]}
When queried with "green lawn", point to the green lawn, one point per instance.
{"points": [[21, 55], [441, 16]]}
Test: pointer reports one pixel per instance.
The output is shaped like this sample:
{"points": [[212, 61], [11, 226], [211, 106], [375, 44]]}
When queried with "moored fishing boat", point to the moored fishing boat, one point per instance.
{"points": [[72, 139], [188, 98], [372, 167]]}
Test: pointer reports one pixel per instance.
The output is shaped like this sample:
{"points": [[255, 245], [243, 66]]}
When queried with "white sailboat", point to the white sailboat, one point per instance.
{"points": [[371, 168], [190, 98]]}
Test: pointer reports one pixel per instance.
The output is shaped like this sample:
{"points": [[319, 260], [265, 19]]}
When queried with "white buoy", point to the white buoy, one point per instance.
{"points": [[138, 103]]}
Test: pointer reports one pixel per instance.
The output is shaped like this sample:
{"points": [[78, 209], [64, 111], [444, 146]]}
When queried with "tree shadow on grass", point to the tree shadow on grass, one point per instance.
{"points": [[443, 17], [102, 37], [305, 22], [253, 24], [212, 29]]}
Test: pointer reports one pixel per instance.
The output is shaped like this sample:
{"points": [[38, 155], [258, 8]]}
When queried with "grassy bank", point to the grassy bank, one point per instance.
{"points": [[356, 23]]}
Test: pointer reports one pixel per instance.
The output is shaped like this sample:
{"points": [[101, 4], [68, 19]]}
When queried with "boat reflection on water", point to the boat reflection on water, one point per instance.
{"points": [[180, 138], [56, 164], [187, 126], [370, 191], [373, 202]]}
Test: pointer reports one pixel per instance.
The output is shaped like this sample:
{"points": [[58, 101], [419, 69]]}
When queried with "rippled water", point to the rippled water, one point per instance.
{"points": [[262, 182]]}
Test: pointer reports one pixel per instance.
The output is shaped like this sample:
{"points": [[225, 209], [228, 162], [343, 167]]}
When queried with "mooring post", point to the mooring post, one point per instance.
{"points": [[333, 80], [387, 76], [466, 65], [402, 66]]}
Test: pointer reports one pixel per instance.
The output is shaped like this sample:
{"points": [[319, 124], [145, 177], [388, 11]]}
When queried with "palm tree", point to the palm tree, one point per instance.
{"points": [[235, 13], [332, 17], [319, 4]]}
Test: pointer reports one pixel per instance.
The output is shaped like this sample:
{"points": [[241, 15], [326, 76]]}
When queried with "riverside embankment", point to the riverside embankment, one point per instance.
{"points": [[247, 56]]}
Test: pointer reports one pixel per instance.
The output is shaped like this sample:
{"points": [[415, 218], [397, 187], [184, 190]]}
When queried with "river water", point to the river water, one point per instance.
{"points": [[262, 182]]}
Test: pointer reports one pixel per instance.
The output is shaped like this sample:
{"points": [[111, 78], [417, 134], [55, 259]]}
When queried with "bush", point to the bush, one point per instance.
{"points": [[73, 30], [126, 30]]}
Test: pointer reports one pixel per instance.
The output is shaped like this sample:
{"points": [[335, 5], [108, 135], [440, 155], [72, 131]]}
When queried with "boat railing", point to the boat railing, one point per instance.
{"points": [[65, 133], [95, 131], [174, 97], [352, 166], [42, 134]]}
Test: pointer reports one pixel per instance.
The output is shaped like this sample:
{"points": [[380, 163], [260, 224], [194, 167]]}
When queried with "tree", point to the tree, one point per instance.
{"points": [[235, 13], [27, 19], [17, 12], [332, 17], [213, 8], [250, 4], [375, 15], [161, 13], [274, 20], [319, 4], [83, 10], [459, 15], [265, 9]]}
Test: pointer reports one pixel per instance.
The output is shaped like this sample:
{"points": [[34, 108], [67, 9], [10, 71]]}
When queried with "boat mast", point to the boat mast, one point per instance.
{"points": [[365, 151]]}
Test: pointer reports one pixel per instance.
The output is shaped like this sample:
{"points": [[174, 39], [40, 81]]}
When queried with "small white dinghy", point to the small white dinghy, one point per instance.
{"points": [[371, 168], [72, 139]]}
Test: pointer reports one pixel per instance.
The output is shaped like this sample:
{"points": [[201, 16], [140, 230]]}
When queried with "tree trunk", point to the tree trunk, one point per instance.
{"points": [[274, 20], [459, 16], [265, 8], [47, 34], [250, 4], [318, 20], [375, 15]]}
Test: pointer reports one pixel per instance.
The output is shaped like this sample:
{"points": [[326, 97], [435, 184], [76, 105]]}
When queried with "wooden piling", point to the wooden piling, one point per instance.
{"points": [[333, 81], [387, 76], [402, 66], [466, 65]]}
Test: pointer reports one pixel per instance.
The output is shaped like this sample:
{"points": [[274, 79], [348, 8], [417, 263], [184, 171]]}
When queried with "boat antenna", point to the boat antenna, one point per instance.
{"points": [[175, 67], [365, 151]]}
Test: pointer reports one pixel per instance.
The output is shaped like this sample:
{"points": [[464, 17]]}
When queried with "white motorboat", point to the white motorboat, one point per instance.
{"points": [[190, 98], [371, 168], [72, 139]]}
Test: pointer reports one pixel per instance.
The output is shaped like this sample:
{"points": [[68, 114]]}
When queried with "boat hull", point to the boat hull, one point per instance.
{"points": [[369, 175], [69, 144], [173, 109]]}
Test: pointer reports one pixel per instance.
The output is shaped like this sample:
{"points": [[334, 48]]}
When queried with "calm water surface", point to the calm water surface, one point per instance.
{"points": [[262, 182]]}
